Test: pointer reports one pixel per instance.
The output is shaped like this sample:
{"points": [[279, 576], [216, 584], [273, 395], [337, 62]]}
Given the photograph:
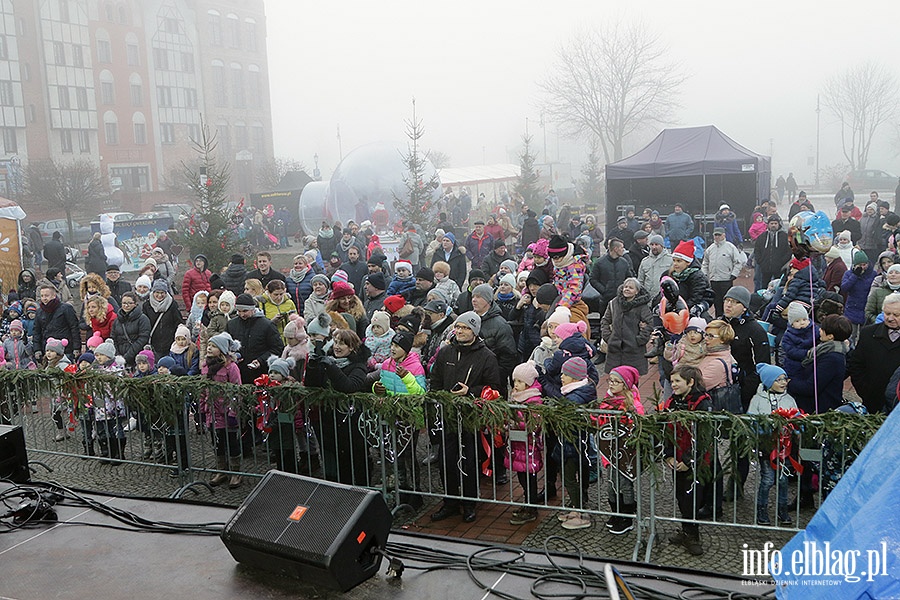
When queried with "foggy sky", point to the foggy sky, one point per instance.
{"points": [[754, 69]]}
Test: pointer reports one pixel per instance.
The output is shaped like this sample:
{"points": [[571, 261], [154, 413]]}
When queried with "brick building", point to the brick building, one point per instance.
{"points": [[123, 84]]}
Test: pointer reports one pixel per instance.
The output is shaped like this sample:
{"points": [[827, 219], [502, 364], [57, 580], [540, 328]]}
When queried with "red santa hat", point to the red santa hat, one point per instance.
{"points": [[684, 251]]}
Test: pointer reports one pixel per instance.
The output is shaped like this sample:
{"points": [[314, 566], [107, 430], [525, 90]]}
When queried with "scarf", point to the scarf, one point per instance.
{"points": [[161, 306], [176, 349], [298, 276], [505, 297], [51, 306], [326, 233], [342, 362], [822, 349], [565, 389], [345, 246], [213, 364]]}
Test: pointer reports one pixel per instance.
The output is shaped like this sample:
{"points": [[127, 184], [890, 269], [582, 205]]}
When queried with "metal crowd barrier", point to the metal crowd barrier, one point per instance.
{"points": [[415, 465]]}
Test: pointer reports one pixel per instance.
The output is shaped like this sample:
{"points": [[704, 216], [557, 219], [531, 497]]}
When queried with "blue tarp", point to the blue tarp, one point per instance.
{"points": [[856, 531]]}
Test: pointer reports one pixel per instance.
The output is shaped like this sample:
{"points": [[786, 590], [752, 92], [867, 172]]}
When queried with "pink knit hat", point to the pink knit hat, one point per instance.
{"points": [[94, 341], [539, 248], [629, 375], [526, 372], [567, 330]]}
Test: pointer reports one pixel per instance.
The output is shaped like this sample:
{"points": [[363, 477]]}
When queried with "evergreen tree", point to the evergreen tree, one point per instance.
{"points": [[212, 228], [417, 204], [592, 177], [528, 179]]}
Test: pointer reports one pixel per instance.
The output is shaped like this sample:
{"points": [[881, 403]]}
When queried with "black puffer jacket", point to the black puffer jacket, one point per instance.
{"points": [[259, 340], [607, 275], [61, 324], [324, 372], [130, 333], [164, 333], [96, 259], [474, 365], [498, 336], [694, 288], [234, 277]]}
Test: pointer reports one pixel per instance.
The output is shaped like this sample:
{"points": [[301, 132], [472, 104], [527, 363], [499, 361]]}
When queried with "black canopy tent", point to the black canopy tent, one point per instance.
{"points": [[700, 167], [286, 193]]}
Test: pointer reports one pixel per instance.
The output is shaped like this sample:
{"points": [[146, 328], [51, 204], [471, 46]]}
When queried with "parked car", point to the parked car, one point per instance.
{"points": [[866, 180], [176, 211], [82, 233]]}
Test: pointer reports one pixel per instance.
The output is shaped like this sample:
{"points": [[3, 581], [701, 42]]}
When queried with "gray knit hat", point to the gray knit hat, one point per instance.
{"points": [[484, 291], [739, 293], [107, 348], [225, 343], [160, 285], [321, 279], [511, 265], [656, 239], [282, 366], [471, 320], [796, 311]]}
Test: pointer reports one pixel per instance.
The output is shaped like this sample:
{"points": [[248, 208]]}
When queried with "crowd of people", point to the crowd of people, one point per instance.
{"points": [[498, 306]]}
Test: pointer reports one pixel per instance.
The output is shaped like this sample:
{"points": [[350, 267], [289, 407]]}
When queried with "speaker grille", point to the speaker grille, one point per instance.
{"points": [[265, 518]]}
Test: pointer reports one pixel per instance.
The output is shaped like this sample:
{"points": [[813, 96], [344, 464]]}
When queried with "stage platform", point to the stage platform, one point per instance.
{"points": [[71, 559]]}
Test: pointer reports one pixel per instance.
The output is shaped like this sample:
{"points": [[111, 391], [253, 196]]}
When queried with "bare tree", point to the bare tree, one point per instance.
{"points": [[863, 98], [271, 172], [439, 160], [76, 187], [611, 82]]}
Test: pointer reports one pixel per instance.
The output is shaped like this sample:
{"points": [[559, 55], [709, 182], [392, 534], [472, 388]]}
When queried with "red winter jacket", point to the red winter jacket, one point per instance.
{"points": [[194, 281]]}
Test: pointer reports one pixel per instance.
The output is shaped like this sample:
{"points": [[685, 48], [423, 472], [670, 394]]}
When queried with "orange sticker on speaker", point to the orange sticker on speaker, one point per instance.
{"points": [[360, 537], [298, 513]]}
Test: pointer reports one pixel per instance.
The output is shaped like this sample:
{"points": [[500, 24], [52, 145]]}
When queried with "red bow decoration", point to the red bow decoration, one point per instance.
{"points": [[783, 444], [264, 406], [488, 393]]}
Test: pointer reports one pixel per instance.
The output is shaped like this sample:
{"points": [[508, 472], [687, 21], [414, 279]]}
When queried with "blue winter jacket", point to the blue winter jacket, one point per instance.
{"points": [[679, 226], [827, 380], [855, 290], [574, 345], [399, 286], [798, 288], [794, 346], [299, 291]]}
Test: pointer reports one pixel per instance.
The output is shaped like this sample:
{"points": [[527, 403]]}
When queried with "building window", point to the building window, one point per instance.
{"points": [[65, 140], [104, 51], [59, 53], [137, 94], [21, 26], [6, 93], [10, 143], [237, 85], [107, 92], [223, 136], [26, 71], [131, 177], [133, 54], [78, 55], [190, 97], [167, 133], [172, 25], [161, 58], [84, 141], [234, 31], [194, 132], [164, 95], [4, 49], [259, 140], [240, 136], [108, 9], [187, 62], [140, 134], [254, 84], [81, 98], [112, 133], [250, 28], [218, 75], [215, 28], [64, 11], [123, 15], [63, 95]]}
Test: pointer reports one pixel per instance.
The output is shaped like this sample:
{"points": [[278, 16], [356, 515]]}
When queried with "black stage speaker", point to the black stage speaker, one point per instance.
{"points": [[13, 457], [321, 532]]}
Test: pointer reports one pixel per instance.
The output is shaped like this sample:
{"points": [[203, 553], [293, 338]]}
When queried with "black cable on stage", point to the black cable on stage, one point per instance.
{"points": [[56, 493], [587, 582]]}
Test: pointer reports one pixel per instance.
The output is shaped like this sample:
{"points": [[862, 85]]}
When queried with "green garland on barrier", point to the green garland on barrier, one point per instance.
{"points": [[164, 397]]}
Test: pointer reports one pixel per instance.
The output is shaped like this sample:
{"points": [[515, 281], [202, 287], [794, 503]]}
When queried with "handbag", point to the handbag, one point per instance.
{"points": [[589, 293], [727, 397], [407, 249]]}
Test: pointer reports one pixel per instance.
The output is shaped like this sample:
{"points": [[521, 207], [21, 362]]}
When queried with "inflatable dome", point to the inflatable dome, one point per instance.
{"points": [[368, 175]]}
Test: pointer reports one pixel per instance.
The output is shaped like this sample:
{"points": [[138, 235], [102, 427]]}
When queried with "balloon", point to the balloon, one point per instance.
{"points": [[810, 231]]}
